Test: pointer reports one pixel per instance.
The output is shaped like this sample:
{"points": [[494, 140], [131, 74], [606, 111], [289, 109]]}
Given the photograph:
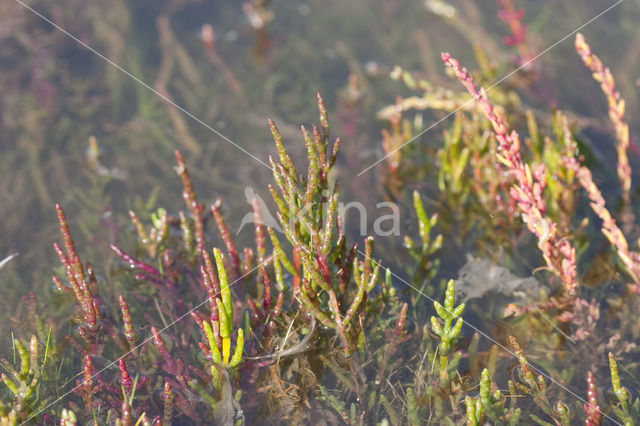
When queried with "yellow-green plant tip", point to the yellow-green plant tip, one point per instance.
{"points": [[620, 391], [226, 349], [282, 153], [435, 326], [387, 277], [329, 222], [441, 311], [215, 375], [455, 331], [159, 218], [213, 346], [324, 117], [279, 253], [282, 207], [68, 417], [209, 333], [312, 156], [357, 300], [485, 386], [10, 384], [277, 270], [424, 226], [225, 292], [471, 414], [457, 311], [33, 355], [615, 377], [25, 363], [226, 323], [450, 294], [356, 272], [374, 277], [237, 354]]}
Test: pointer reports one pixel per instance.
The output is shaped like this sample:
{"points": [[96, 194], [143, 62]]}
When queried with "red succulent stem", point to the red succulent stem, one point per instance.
{"points": [[603, 75], [125, 378], [401, 322], [261, 244], [135, 263], [169, 402], [206, 281], [226, 237], [266, 297], [513, 17], [129, 332], [296, 265], [211, 273], [190, 199], [170, 364], [126, 417], [275, 312], [247, 262], [594, 415], [72, 254], [198, 319], [86, 387]]}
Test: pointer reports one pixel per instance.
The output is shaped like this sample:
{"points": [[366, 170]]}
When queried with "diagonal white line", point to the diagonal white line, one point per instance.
{"points": [[494, 341], [144, 342], [492, 86], [142, 83]]}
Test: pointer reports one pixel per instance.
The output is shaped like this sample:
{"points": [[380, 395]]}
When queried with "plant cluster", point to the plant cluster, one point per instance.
{"points": [[190, 328]]}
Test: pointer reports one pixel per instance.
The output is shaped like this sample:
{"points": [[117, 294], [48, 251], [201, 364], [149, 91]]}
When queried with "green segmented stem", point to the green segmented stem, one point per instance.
{"points": [[225, 292]]}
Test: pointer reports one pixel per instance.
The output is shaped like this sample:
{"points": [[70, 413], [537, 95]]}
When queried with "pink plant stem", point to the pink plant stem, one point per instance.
{"points": [[87, 383], [89, 309], [266, 297], [144, 277], [278, 307], [513, 17], [77, 278], [209, 40], [212, 285], [616, 109], [169, 400], [558, 253], [69, 245], [198, 319], [261, 245], [133, 262], [60, 285], [226, 237], [125, 378], [255, 312], [610, 229], [170, 365], [247, 262], [129, 331], [76, 345], [592, 409], [211, 274], [206, 282], [126, 419], [73, 283], [401, 322], [189, 195]]}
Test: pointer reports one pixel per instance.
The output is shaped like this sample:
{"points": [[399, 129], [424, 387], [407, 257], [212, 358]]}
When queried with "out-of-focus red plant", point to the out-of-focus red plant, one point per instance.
{"points": [[518, 38], [603, 75]]}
